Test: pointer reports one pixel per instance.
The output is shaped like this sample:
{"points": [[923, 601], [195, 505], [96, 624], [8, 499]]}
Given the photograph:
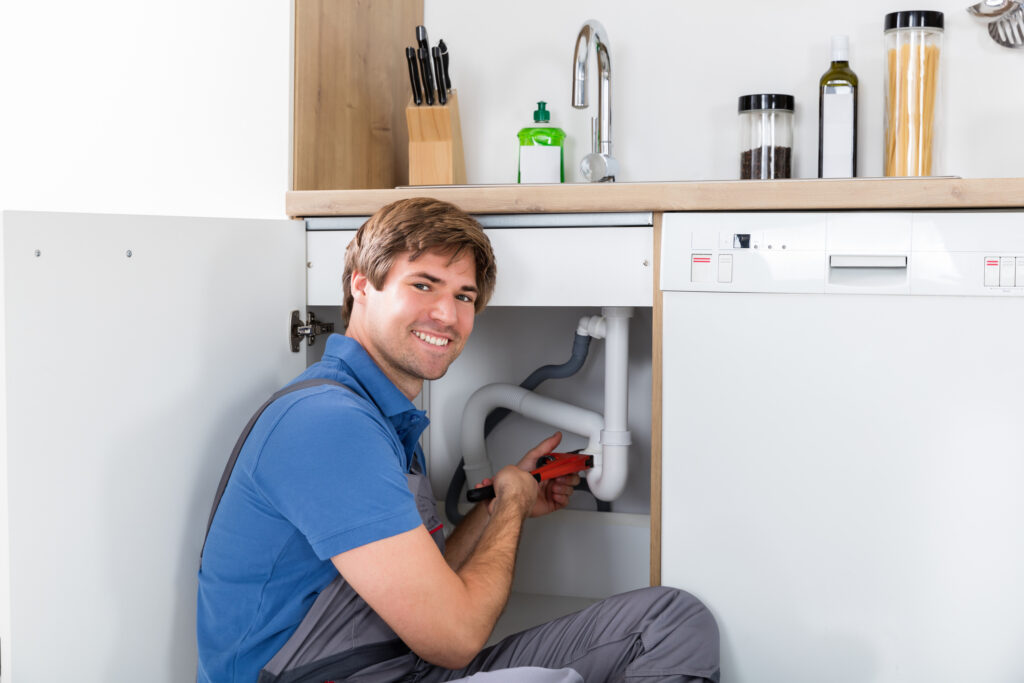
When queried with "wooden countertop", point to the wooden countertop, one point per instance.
{"points": [[722, 195]]}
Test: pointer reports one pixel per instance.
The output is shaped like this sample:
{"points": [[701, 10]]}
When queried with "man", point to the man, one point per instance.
{"points": [[325, 558]]}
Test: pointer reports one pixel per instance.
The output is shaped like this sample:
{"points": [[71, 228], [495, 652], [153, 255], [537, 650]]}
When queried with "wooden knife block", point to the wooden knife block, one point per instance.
{"points": [[435, 143]]}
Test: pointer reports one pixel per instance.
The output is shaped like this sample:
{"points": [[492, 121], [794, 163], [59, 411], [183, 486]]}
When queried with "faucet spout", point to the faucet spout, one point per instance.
{"points": [[599, 165]]}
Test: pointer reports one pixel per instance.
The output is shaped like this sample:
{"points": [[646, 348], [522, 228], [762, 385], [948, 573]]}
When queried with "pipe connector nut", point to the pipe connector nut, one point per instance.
{"points": [[616, 438]]}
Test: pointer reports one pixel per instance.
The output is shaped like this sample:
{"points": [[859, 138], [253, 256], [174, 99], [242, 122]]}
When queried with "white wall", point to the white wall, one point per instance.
{"points": [[179, 108], [184, 108], [678, 68]]}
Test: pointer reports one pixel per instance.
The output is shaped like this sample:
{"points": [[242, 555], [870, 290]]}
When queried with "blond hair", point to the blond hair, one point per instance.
{"points": [[416, 226]]}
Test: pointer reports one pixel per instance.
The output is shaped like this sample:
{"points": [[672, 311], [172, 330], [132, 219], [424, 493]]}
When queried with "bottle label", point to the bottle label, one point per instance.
{"points": [[837, 132], [540, 164]]}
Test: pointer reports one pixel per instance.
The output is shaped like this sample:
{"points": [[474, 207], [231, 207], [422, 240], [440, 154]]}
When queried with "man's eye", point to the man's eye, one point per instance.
{"points": [[422, 286], [464, 297]]}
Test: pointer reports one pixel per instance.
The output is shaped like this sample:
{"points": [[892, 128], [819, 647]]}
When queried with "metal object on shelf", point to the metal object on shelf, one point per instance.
{"points": [[1004, 18], [1008, 30], [989, 10], [599, 166]]}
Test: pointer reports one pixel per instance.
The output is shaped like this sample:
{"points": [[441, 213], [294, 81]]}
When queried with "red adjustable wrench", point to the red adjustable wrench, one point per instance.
{"points": [[549, 466]]}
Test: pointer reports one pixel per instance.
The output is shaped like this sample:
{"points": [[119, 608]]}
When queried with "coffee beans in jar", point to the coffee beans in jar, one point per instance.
{"points": [[766, 136]]}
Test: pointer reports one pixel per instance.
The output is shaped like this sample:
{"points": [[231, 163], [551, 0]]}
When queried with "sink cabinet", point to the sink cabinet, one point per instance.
{"points": [[136, 349]]}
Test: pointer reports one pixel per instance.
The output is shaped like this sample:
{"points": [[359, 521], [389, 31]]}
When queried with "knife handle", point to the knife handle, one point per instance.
{"points": [[442, 96], [444, 63], [414, 76], [428, 79]]}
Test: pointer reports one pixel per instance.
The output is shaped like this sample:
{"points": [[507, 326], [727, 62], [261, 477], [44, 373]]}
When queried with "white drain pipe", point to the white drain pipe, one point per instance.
{"points": [[608, 477], [523, 401], [609, 438]]}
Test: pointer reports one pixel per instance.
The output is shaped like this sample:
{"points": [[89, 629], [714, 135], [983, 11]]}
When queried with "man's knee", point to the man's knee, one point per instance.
{"points": [[681, 607], [685, 625], [681, 618]]}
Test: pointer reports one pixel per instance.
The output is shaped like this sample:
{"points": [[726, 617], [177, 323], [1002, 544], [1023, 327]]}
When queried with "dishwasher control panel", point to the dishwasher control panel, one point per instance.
{"points": [[962, 253], [1004, 271]]}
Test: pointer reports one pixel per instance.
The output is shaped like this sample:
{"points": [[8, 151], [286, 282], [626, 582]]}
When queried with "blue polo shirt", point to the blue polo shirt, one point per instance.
{"points": [[323, 471]]}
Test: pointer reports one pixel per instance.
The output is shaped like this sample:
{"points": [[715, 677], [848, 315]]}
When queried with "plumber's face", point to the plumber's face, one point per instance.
{"points": [[418, 322]]}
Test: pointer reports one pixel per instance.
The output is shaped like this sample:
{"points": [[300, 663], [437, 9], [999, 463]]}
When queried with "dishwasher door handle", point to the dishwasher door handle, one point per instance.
{"points": [[866, 261]]}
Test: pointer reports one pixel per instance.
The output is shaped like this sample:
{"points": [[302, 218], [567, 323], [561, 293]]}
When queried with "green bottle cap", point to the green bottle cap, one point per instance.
{"points": [[541, 115]]}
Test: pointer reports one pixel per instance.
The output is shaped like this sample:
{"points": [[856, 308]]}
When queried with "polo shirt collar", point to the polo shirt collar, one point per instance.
{"points": [[392, 403]]}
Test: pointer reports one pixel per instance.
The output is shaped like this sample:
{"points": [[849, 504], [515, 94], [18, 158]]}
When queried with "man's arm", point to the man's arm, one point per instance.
{"points": [[460, 544], [553, 495], [445, 616]]}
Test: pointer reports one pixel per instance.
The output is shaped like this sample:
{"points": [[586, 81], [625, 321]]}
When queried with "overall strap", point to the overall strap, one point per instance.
{"points": [[298, 386]]}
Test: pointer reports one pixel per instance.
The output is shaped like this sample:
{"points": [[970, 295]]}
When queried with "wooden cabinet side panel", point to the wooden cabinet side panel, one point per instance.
{"points": [[351, 88], [656, 409]]}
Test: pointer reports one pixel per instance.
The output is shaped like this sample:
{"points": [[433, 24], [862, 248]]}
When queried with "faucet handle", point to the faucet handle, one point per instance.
{"points": [[599, 168]]}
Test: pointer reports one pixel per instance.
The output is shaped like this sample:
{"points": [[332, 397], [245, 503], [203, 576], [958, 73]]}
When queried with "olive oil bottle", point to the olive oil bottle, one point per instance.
{"points": [[837, 115]]}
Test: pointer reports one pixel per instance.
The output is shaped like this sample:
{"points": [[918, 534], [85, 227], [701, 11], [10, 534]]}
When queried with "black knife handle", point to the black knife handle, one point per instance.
{"points": [[414, 76], [442, 96], [444, 64], [428, 79]]}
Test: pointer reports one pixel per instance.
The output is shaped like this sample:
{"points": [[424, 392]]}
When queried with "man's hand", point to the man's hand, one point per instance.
{"points": [[516, 487], [554, 493]]}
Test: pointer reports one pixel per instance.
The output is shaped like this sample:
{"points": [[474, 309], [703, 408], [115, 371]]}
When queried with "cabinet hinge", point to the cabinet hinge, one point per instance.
{"points": [[310, 329]]}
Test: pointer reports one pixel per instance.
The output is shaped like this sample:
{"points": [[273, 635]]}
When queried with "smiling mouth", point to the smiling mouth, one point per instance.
{"points": [[430, 339]]}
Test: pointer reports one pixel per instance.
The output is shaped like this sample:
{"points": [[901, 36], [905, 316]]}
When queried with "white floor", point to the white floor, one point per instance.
{"points": [[529, 609]]}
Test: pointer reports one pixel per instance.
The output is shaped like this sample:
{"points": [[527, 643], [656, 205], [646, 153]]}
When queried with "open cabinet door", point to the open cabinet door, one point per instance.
{"points": [[136, 349]]}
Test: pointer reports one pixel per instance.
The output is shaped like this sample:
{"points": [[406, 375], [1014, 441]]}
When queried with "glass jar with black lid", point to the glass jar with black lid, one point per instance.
{"points": [[913, 41], [766, 136]]}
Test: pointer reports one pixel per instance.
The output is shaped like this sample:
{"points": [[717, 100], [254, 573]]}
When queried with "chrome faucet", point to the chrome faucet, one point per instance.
{"points": [[599, 166]]}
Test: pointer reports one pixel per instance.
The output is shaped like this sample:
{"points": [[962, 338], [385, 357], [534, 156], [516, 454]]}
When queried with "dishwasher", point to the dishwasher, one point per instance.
{"points": [[843, 443]]}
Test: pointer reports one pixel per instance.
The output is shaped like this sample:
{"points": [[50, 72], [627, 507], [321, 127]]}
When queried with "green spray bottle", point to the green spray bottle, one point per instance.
{"points": [[541, 150]]}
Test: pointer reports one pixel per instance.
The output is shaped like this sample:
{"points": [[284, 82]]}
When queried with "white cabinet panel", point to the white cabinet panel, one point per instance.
{"points": [[574, 266], [129, 378], [610, 266], [325, 250]]}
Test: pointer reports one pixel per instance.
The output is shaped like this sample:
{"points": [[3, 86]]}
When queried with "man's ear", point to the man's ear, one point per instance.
{"points": [[359, 285]]}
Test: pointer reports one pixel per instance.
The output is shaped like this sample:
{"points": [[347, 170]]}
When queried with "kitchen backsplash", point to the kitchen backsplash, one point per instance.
{"points": [[172, 142], [678, 68]]}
